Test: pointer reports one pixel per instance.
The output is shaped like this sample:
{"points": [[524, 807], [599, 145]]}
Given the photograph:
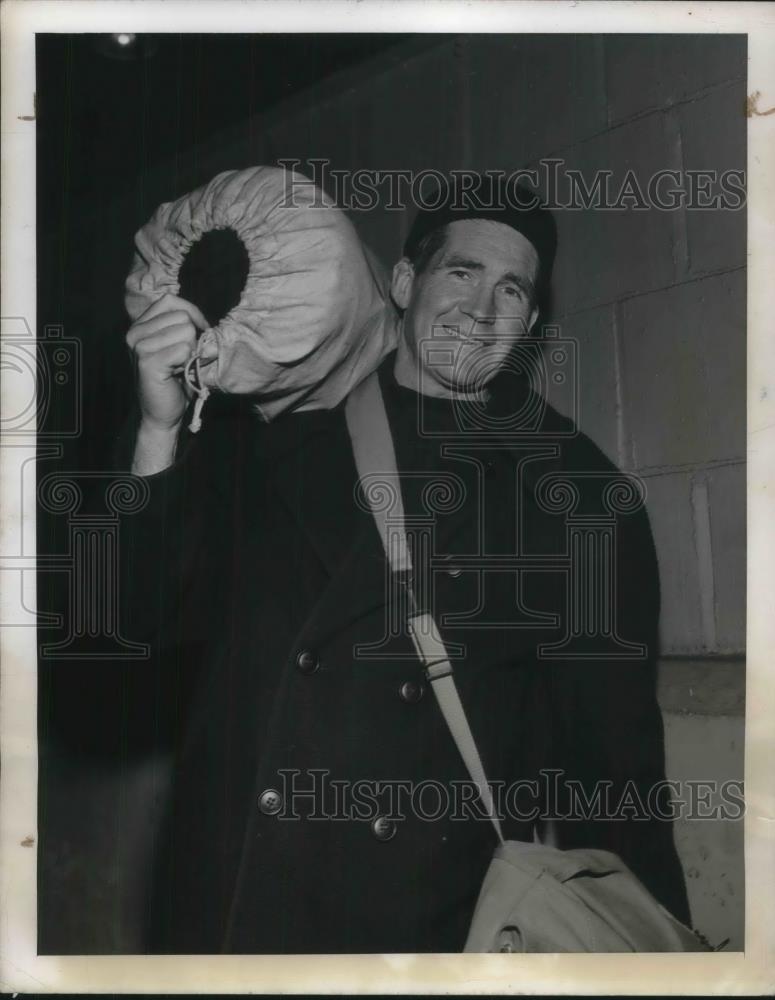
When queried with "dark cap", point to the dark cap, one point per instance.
{"points": [[487, 196]]}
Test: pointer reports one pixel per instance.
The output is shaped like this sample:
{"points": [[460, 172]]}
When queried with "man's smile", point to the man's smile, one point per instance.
{"points": [[477, 337]]}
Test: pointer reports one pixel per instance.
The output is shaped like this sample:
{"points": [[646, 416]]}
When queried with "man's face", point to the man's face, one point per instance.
{"points": [[465, 311]]}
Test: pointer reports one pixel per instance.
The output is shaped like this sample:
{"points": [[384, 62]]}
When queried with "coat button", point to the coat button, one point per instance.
{"points": [[307, 661], [383, 828], [270, 802], [411, 691], [450, 568]]}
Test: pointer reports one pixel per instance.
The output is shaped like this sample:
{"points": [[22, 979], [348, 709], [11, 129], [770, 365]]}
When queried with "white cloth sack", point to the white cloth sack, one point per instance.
{"points": [[314, 318]]}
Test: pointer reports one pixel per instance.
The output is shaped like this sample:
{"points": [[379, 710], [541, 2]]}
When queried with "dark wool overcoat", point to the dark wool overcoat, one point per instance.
{"points": [[319, 803]]}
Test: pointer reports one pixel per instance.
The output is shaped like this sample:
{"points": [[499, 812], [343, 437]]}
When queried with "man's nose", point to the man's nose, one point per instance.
{"points": [[480, 305]]}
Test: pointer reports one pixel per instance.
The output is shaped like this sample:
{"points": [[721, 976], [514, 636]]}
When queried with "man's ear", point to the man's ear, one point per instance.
{"points": [[402, 282]]}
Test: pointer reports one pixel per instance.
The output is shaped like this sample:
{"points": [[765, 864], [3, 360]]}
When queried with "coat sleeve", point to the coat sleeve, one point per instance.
{"points": [[163, 547], [608, 733], [124, 706]]}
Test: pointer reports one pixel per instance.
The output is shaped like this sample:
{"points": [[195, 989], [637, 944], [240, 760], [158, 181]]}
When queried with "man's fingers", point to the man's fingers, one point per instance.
{"points": [[175, 321], [171, 360], [170, 303], [144, 329], [179, 334]]}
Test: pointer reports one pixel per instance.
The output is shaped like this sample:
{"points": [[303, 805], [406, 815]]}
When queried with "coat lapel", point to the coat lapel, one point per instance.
{"points": [[316, 480]]}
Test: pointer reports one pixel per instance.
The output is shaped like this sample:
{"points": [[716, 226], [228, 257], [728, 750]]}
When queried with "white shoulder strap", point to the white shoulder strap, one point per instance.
{"points": [[373, 449]]}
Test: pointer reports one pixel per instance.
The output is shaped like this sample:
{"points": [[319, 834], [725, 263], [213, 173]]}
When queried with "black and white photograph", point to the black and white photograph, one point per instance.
{"points": [[378, 453]]}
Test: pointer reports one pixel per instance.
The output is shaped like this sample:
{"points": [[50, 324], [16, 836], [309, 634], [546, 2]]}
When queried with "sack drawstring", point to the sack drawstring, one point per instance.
{"points": [[194, 382]]}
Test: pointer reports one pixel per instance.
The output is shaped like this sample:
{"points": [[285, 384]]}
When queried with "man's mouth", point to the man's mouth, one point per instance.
{"points": [[469, 338], [456, 332]]}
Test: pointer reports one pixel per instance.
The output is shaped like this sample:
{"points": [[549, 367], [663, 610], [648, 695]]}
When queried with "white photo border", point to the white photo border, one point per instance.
{"points": [[751, 972]]}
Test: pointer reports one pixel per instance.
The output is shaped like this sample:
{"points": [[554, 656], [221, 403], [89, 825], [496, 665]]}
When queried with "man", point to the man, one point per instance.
{"points": [[300, 719]]}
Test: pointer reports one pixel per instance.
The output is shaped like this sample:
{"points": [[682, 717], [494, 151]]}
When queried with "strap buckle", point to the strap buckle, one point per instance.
{"points": [[428, 643], [435, 671]]}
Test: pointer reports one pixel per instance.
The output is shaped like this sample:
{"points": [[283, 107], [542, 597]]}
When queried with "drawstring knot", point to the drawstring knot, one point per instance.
{"points": [[192, 373]]}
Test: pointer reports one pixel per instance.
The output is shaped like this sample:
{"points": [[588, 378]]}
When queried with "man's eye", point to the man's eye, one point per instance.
{"points": [[460, 274], [512, 290]]}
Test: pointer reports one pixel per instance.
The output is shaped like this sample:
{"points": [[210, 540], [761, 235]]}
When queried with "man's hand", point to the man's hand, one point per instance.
{"points": [[162, 340]]}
